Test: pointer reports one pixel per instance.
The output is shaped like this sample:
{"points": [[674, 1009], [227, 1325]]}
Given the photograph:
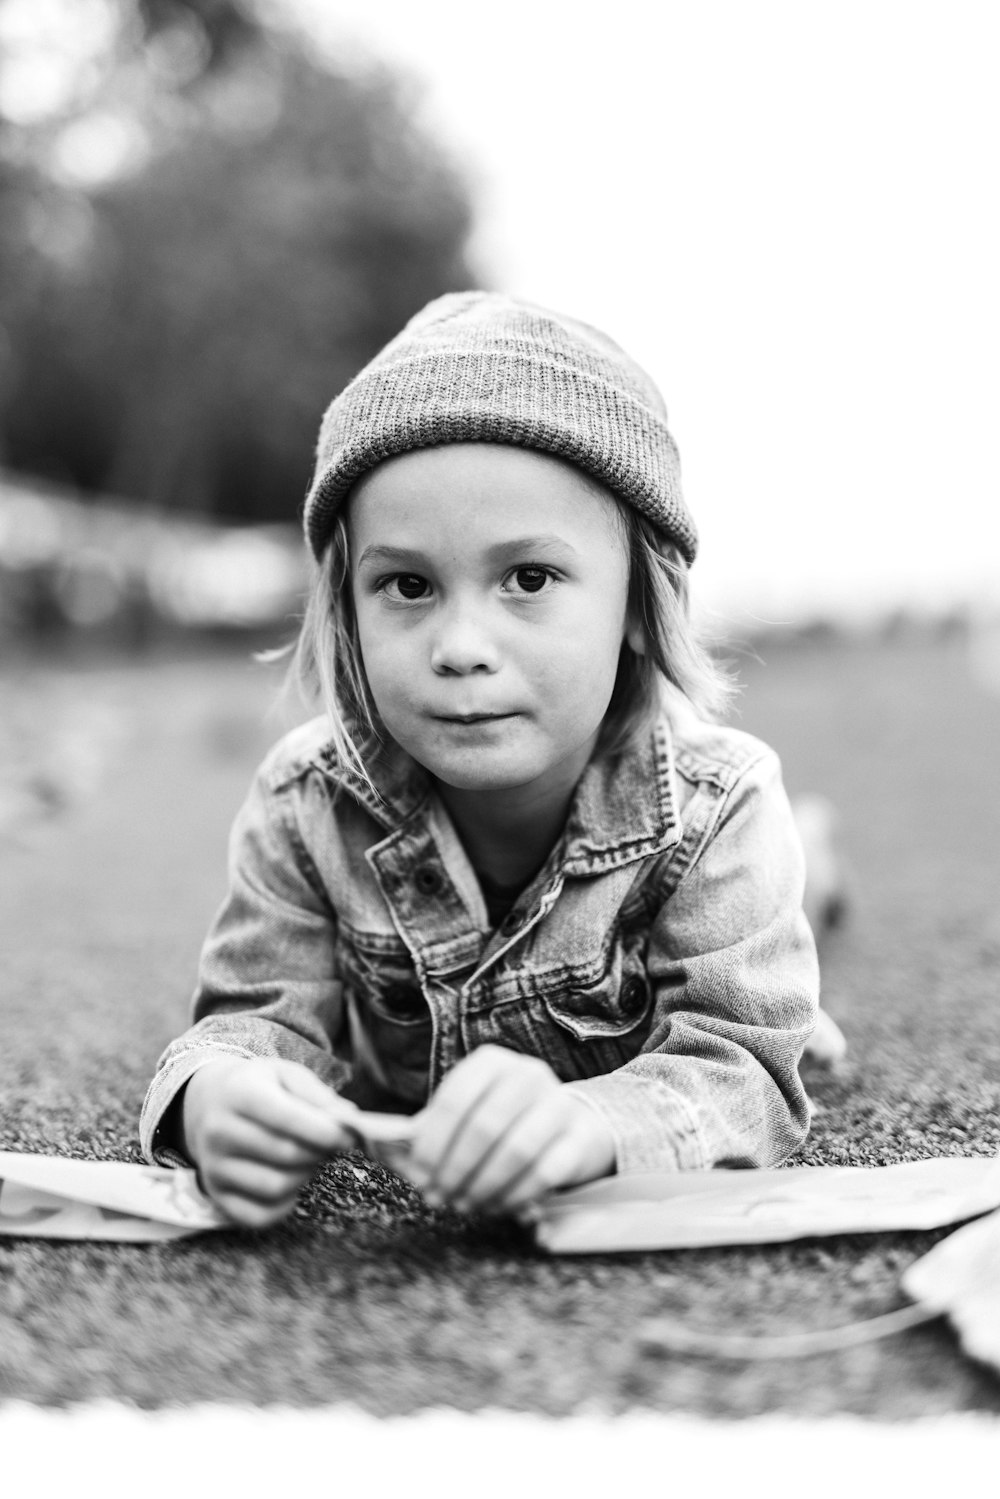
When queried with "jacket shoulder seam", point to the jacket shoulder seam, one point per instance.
{"points": [[723, 780], [723, 760], [295, 755]]}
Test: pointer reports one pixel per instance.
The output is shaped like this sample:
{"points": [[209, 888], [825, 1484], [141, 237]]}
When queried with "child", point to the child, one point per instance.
{"points": [[514, 881]]}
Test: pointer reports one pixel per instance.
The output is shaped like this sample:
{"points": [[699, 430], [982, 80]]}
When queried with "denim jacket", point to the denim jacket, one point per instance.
{"points": [[660, 960]]}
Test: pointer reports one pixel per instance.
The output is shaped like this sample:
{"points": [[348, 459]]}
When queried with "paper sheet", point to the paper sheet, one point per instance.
{"points": [[52, 1197], [58, 1198], [376, 1133], [55, 1197], [691, 1209], [961, 1276]]}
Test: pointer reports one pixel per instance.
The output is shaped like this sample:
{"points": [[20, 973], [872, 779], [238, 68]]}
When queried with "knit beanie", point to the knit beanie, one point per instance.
{"points": [[482, 367]]}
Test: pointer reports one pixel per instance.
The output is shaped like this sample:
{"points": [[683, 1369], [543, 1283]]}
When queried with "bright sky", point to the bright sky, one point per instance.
{"points": [[788, 212]]}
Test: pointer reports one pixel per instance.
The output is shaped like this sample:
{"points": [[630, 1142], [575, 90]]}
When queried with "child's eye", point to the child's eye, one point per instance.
{"points": [[529, 579], [405, 586]]}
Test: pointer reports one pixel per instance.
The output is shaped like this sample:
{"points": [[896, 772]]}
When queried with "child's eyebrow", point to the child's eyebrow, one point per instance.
{"points": [[390, 556], [515, 546], [527, 546]]}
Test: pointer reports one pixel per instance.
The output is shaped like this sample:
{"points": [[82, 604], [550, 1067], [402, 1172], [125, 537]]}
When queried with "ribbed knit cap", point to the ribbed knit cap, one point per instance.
{"points": [[481, 367]]}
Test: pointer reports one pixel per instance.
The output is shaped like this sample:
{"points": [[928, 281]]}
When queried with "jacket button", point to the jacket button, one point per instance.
{"points": [[428, 879], [405, 1002], [632, 997]]}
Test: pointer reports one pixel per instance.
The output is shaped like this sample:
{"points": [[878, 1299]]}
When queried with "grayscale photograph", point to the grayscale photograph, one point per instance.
{"points": [[499, 744]]}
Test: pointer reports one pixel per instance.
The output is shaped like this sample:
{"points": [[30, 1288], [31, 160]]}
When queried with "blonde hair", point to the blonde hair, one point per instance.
{"points": [[328, 670], [674, 650]]}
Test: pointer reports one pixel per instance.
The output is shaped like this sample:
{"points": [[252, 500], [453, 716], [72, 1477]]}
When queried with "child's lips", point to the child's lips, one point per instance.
{"points": [[472, 718]]}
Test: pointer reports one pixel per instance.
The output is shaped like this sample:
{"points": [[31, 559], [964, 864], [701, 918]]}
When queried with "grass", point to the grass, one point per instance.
{"points": [[120, 781]]}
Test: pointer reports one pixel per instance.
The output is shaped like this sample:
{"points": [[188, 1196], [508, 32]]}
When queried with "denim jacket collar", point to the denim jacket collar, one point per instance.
{"points": [[401, 786], [624, 808]]}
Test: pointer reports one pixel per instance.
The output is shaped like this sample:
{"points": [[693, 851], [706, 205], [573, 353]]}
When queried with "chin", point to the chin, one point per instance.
{"points": [[478, 774], [478, 779]]}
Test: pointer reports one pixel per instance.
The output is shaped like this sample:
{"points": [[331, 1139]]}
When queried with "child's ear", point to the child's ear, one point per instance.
{"points": [[635, 636]]}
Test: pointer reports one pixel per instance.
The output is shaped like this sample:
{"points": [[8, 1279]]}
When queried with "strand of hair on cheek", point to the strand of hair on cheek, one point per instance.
{"points": [[659, 1335]]}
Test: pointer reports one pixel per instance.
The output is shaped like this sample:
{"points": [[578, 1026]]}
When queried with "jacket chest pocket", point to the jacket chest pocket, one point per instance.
{"points": [[609, 1001], [378, 973], [390, 1023]]}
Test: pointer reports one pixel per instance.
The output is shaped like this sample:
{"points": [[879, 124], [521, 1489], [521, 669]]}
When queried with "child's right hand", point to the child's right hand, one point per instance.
{"points": [[256, 1130]]}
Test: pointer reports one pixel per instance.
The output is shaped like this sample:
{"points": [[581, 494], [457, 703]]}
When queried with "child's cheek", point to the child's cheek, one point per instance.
{"points": [[388, 665]]}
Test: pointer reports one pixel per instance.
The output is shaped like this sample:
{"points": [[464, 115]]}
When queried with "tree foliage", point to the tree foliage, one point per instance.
{"points": [[172, 327]]}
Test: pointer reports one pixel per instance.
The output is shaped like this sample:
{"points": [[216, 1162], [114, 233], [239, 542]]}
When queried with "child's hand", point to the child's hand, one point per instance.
{"points": [[257, 1130], [501, 1131]]}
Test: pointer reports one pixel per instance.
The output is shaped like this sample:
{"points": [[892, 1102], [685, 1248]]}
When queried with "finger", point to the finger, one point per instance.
{"points": [[482, 1143], [248, 1213], [514, 1155], [555, 1167], [244, 1139], [458, 1116], [305, 1086], [229, 1134], [257, 1182], [457, 1095], [302, 1083], [267, 1101]]}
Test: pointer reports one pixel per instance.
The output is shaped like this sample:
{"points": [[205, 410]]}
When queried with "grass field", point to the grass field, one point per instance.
{"points": [[119, 780]]}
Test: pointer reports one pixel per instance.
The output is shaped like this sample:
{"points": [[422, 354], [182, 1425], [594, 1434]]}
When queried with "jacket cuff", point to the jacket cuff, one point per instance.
{"points": [[164, 1088], [654, 1128]]}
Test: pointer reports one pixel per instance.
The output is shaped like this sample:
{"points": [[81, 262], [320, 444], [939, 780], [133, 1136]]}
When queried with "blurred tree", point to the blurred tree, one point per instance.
{"points": [[199, 246], [220, 27]]}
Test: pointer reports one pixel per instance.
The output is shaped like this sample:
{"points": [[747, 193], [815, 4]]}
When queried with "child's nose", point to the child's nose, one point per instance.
{"points": [[462, 643]]}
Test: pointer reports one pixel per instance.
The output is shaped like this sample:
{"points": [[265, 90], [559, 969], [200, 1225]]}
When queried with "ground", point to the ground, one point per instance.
{"points": [[119, 779]]}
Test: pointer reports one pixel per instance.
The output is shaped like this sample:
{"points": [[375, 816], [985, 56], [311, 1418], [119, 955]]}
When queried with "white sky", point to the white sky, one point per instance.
{"points": [[788, 211]]}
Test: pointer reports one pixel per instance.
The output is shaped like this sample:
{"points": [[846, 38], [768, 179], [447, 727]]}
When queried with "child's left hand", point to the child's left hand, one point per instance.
{"points": [[502, 1131]]}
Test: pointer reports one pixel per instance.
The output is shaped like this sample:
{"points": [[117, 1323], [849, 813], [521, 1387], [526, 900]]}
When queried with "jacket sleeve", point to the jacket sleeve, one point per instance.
{"points": [[266, 984], [735, 982]]}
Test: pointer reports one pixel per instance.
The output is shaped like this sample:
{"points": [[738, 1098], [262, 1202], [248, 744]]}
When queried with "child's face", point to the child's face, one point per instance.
{"points": [[490, 587]]}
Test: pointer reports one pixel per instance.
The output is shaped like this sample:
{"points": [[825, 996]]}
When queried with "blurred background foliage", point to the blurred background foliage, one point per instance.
{"points": [[204, 232], [201, 243]]}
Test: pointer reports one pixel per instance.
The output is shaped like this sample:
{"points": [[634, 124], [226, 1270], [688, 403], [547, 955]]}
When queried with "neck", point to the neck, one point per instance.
{"points": [[506, 834]]}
